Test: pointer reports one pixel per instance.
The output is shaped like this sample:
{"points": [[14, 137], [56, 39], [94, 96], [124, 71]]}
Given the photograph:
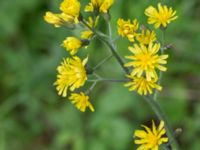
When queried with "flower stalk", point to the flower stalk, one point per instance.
{"points": [[102, 62], [160, 114], [151, 101], [146, 60], [107, 80], [110, 44], [155, 96]]}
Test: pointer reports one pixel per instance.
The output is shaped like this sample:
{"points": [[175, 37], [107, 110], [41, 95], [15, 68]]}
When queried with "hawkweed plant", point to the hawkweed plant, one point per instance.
{"points": [[143, 71]]}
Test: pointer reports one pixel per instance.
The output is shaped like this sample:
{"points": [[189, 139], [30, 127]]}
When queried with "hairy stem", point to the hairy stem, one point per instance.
{"points": [[151, 101], [91, 87], [155, 96], [110, 30], [116, 55], [107, 80], [102, 62], [160, 114], [110, 44], [155, 107]]}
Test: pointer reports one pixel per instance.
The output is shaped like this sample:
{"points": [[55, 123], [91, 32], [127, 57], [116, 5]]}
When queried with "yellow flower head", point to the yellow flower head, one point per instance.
{"points": [[150, 139], [81, 101], [145, 59], [142, 86], [87, 34], [93, 23], [72, 45], [94, 4], [146, 37], [67, 18], [127, 29], [53, 19], [71, 8], [71, 74], [101, 6], [161, 17], [105, 6]]}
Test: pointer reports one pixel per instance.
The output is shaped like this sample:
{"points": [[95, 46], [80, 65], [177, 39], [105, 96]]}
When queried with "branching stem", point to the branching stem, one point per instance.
{"points": [[155, 96], [102, 62], [151, 101], [107, 80]]}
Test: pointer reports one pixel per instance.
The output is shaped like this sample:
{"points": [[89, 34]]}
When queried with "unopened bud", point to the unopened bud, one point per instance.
{"points": [[89, 70], [178, 131], [107, 16]]}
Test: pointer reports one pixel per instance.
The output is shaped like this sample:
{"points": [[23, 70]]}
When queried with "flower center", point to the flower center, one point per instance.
{"points": [[152, 140], [127, 29], [146, 61]]}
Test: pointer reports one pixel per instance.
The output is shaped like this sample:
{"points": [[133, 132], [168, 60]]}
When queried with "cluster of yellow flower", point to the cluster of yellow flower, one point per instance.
{"points": [[146, 57], [70, 11], [72, 73]]}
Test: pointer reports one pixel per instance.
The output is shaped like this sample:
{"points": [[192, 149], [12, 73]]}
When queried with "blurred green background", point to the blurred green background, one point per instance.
{"points": [[34, 117]]}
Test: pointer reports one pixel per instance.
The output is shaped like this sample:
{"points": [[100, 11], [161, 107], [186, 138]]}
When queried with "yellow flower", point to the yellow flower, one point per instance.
{"points": [[58, 19], [161, 17], [70, 13], [53, 19], [106, 5], [146, 37], [72, 45], [71, 8], [71, 74], [127, 29], [87, 34], [89, 7], [142, 86], [145, 59], [81, 101], [67, 18], [150, 139], [100, 5]]}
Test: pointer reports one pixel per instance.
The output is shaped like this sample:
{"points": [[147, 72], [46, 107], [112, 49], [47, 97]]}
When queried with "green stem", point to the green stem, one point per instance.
{"points": [[116, 55], [155, 96], [154, 105], [107, 80], [156, 108], [91, 87], [156, 93], [160, 114], [110, 45], [164, 147], [163, 40], [102, 62], [116, 38], [110, 31]]}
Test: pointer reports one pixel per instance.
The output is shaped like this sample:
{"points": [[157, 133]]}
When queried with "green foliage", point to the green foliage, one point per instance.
{"points": [[33, 117]]}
